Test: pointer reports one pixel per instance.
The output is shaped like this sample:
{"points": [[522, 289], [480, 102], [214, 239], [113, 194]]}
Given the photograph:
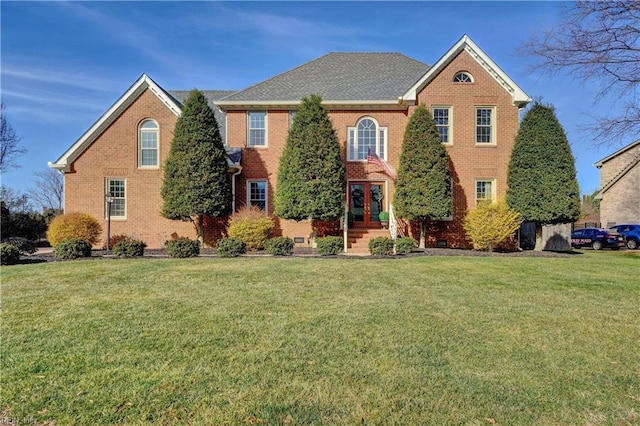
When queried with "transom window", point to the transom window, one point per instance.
{"points": [[442, 118], [257, 194], [366, 135], [148, 144], [257, 128], [485, 190], [462, 77], [485, 125], [116, 187]]}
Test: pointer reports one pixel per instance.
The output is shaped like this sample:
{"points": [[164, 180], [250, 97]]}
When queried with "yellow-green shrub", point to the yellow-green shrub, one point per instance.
{"points": [[68, 226], [489, 224], [251, 226]]}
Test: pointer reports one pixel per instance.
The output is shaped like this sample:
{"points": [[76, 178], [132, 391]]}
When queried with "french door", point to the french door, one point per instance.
{"points": [[366, 201]]}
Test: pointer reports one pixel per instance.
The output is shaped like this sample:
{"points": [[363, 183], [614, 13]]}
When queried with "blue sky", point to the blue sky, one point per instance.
{"points": [[64, 63]]}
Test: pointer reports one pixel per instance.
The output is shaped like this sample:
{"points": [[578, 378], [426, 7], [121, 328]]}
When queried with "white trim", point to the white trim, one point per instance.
{"points": [[494, 126], [520, 98], [157, 132], [266, 193], [379, 129], [107, 179], [450, 125], [266, 129], [493, 189], [143, 83]]}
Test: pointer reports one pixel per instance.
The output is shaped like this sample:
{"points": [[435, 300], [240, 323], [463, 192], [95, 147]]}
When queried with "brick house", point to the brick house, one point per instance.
{"points": [[369, 96], [620, 186]]}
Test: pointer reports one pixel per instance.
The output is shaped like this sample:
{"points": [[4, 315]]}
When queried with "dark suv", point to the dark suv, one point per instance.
{"points": [[631, 232], [597, 238]]}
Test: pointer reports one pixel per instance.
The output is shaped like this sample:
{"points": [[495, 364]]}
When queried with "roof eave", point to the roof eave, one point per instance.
{"points": [[399, 104], [64, 162], [599, 164]]}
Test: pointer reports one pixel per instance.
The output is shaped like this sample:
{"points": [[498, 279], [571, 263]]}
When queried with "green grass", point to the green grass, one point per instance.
{"points": [[417, 340]]}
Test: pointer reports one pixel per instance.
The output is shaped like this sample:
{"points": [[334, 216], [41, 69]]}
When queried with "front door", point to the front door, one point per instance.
{"points": [[365, 202]]}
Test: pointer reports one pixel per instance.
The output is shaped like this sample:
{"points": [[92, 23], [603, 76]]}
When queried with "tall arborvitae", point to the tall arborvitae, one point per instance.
{"points": [[542, 183], [196, 179], [423, 186], [311, 173]]}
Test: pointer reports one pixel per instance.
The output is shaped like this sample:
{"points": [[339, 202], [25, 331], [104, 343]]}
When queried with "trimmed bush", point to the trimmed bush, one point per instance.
{"points": [[115, 239], [381, 246], [329, 246], [9, 254], [79, 226], [405, 245], [489, 224], [230, 247], [24, 245], [182, 247], [251, 226], [280, 246], [73, 248], [129, 247]]}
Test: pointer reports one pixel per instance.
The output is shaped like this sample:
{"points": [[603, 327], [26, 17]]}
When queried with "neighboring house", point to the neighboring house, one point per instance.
{"points": [[369, 96], [620, 186]]}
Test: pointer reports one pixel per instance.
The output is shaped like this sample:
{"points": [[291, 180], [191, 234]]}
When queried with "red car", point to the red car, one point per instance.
{"points": [[597, 238]]}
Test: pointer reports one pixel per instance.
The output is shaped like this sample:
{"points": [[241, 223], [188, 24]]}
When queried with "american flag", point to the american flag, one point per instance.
{"points": [[373, 158]]}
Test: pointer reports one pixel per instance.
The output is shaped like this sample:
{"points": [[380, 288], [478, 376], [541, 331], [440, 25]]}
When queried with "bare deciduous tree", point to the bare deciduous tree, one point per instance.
{"points": [[48, 190], [10, 148], [597, 41]]}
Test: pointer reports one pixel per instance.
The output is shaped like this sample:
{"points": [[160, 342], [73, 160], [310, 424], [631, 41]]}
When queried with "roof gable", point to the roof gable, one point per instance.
{"points": [[635, 160], [339, 78], [143, 83], [622, 150], [520, 98]]}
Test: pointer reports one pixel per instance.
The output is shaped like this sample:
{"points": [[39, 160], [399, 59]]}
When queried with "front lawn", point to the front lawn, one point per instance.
{"points": [[416, 340]]}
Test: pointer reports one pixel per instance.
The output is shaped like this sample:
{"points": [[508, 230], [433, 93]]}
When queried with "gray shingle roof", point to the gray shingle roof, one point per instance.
{"points": [[340, 77]]}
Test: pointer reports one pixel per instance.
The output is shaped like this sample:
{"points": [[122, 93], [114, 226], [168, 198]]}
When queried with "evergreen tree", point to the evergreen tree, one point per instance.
{"points": [[196, 179], [541, 180], [423, 186], [311, 173]]}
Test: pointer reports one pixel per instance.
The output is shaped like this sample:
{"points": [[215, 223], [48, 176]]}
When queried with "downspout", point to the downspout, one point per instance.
{"points": [[233, 188]]}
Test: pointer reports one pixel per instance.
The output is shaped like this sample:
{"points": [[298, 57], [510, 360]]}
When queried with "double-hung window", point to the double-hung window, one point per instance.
{"points": [[442, 118], [485, 125], [257, 194], [485, 190], [148, 144], [364, 136], [257, 128], [116, 189]]}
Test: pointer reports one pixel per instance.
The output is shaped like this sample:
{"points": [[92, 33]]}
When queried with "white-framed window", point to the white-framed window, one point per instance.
{"points": [[443, 118], [462, 77], [257, 128], [148, 145], [257, 194], [292, 116], [116, 189], [366, 134], [485, 125], [485, 190]]}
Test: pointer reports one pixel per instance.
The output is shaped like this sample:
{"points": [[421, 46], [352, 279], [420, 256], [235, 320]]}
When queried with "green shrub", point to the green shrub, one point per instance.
{"points": [[182, 247], [129, 247], [280, 246], [115, 239], [24, 245], [72, 249], [328, 246], [251, 226], [9, 254], [405, 245], [381, 246], [230, 247], [80, 226]]}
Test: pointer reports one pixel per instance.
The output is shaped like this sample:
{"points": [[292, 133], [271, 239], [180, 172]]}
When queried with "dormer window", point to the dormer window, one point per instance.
{"points": [[148, 144], [463, 77]]}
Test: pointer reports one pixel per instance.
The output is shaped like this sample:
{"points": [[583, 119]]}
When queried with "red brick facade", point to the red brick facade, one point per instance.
{"points": [[114, 154]]}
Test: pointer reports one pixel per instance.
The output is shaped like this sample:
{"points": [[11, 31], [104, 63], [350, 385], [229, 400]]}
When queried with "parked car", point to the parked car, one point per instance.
{"points": [[597, 238], [631, 232]]}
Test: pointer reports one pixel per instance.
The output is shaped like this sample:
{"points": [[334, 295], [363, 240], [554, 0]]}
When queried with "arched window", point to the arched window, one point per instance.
{"points": [[462, 77], [148, 144], [364, 136]]}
